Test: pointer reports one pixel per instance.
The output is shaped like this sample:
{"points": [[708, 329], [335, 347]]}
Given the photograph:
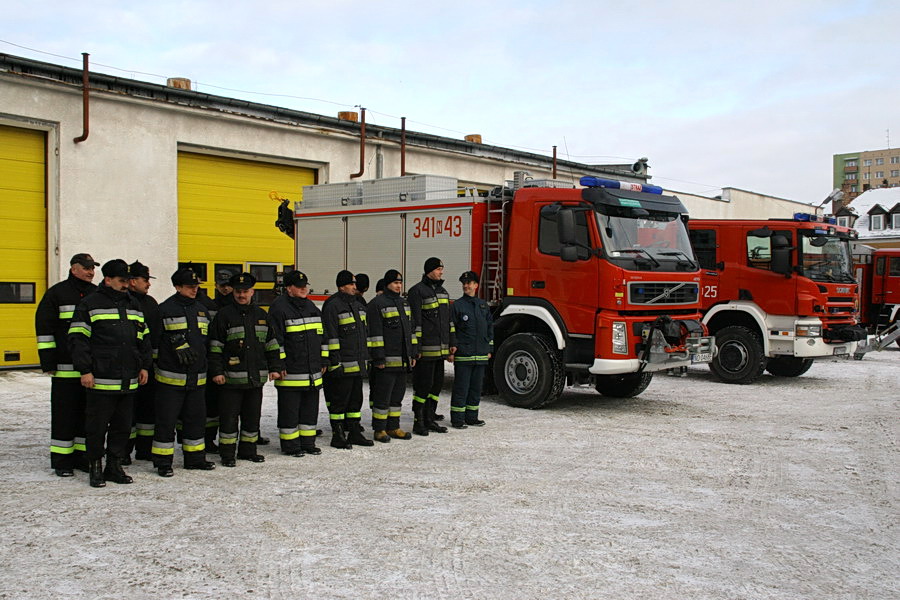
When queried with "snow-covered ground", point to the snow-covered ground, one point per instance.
{"points": [[787, 488]]}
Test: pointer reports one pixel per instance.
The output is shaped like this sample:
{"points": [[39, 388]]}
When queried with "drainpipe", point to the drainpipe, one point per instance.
{"points": [[402, 146], [554, 162], [362, 145], [85, 102]]}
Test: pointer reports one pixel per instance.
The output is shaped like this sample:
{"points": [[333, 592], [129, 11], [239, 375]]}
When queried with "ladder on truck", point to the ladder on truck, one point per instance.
{"points": [[492, 274]]}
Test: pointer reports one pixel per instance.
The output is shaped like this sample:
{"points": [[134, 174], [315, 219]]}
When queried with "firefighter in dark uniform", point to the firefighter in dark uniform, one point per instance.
{"points": [[51, 323], [243, 356], [297, 325], [345, 331], [213, 306], [474, 346], [181, 371], [110, 347], [144, 401], [430, 305], [393, 349]]}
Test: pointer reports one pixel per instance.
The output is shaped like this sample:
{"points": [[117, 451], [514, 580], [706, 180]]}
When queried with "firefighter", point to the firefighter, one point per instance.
{"points": [[474, 346], [110, 347], [297, 325], [181, 370], [392, 347], [430, 305], [51, 324], [362, 286], [243, 356], [144, 411], [345, 332], [222, 299]]}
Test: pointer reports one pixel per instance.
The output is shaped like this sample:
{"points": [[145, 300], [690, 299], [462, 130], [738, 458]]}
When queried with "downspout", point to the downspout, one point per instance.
{"points": [[85, 100], [362, 145], [402, 146], [554, 162]]}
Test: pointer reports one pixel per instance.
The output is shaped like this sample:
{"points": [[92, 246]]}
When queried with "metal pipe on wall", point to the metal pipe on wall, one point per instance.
{"points": [[402, 146], [362, 144], [85, 99]]}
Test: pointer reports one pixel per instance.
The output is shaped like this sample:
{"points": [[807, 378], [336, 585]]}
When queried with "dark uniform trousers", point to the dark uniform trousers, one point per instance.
{"points": [[213, 418], [298, 415], [344, 398], [104, 408], [172, 402], [67, 422], [244, 404], [144, 421], [428, 379], [387, 394], [468, 379]]}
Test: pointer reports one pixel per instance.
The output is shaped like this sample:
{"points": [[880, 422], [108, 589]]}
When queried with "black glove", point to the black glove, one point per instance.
{"points": [[186, 356]]}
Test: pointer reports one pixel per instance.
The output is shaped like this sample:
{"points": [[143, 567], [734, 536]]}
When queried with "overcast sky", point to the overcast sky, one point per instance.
{"points": [[755, 95]]}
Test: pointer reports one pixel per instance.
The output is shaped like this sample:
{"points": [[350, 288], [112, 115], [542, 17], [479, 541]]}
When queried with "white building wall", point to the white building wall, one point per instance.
{"points": [[741, 204]]}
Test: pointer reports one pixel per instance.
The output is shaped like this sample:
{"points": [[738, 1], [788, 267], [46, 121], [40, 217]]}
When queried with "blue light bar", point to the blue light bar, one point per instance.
{"points": [[620, 185], [807, 217]]}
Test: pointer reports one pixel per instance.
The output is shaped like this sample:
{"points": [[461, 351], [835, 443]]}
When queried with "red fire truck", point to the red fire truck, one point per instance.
{"points": [[588, 286], [878, 274], [776, 293]]}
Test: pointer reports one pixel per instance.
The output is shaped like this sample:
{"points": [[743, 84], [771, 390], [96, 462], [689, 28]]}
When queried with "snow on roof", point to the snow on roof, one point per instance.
{"points": [[886, 198]]}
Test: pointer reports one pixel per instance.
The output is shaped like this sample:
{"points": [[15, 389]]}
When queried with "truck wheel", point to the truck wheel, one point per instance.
{"points": [[627, 385], [528, 371], [788, 366], [740, 358]]}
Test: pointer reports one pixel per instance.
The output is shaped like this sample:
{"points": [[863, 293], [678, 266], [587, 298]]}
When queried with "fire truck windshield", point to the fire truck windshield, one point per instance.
{"points": [[826, 257], [645, 240]]}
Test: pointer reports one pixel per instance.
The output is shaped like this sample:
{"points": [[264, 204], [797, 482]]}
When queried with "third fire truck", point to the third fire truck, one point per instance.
{"points": [[595, 285], [776, 293]]}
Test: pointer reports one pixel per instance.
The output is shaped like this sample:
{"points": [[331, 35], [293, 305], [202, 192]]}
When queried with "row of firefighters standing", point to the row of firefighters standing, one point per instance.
{"points": [[101, 343]]}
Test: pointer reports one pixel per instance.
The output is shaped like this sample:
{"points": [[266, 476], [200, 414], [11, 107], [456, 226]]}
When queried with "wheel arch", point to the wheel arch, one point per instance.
{"points": [[745, 315], [526, 315]]}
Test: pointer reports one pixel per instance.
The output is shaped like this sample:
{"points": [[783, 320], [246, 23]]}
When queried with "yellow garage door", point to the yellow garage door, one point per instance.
{"points": [[226, 216], [23, 242]]}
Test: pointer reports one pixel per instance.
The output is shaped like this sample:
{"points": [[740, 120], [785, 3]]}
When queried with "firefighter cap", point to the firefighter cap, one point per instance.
{"points": [[85, 260], [242, 281], [362, 282], [469, 276], [115, 268], [432, 263], [296, 279], [139, 269], [344, 278], [185, 276], [223, 276], [391, 276]]}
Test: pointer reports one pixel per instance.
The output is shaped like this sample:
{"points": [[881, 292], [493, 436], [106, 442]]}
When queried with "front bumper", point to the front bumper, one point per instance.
{"points": [[697, 350]]}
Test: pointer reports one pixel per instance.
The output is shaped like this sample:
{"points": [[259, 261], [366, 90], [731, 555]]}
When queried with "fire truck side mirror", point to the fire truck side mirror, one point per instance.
{"points": [[781, 255], [565, 223]]}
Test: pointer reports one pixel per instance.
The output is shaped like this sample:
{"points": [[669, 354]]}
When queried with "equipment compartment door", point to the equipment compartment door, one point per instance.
{"points": [[446, 234], [321, 251], [374, 245]]}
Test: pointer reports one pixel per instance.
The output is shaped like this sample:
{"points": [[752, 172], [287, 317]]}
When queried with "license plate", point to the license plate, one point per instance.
{"points": [[841, 351], [703, 357]]}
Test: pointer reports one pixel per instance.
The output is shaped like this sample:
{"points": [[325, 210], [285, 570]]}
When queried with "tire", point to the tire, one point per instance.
{"points": [[740, 357], [627, 385], [788, 366], [528, 371]]}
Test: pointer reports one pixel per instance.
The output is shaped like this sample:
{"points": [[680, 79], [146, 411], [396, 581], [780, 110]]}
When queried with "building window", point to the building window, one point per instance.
{"points": [[879, 161], [850, 176], [895, 172], [895, 221], [895, 160], [867, 162], [850, 163], [843, 221], [866, 175], [876, 222], [879, 174], [854, 189]]}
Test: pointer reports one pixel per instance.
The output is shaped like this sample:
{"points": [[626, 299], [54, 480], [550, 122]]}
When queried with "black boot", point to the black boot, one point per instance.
{"points": [[428, 411], [114, 471], [339, 437], [420, 427], [355, 435], [96, 473]]}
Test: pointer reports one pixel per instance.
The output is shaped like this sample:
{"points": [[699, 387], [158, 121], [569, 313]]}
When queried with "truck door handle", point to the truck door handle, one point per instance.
{"points": [[538, 285]]}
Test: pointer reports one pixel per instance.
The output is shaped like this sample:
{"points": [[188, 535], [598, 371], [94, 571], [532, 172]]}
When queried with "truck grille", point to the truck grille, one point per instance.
{"points": [[656, 292]]}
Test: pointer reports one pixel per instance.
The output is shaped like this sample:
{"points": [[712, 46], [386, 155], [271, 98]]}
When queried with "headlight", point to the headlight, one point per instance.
{"points": [[809, 331], [619, 338]]}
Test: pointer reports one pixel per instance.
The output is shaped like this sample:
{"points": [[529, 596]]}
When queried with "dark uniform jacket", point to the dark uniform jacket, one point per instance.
{"points": [[242, 347], [430, 305], [297, 325], [51, 323], [150, 308], [392, 339], [108, 338], [184, 320], [345, 331], [474, 330]]}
